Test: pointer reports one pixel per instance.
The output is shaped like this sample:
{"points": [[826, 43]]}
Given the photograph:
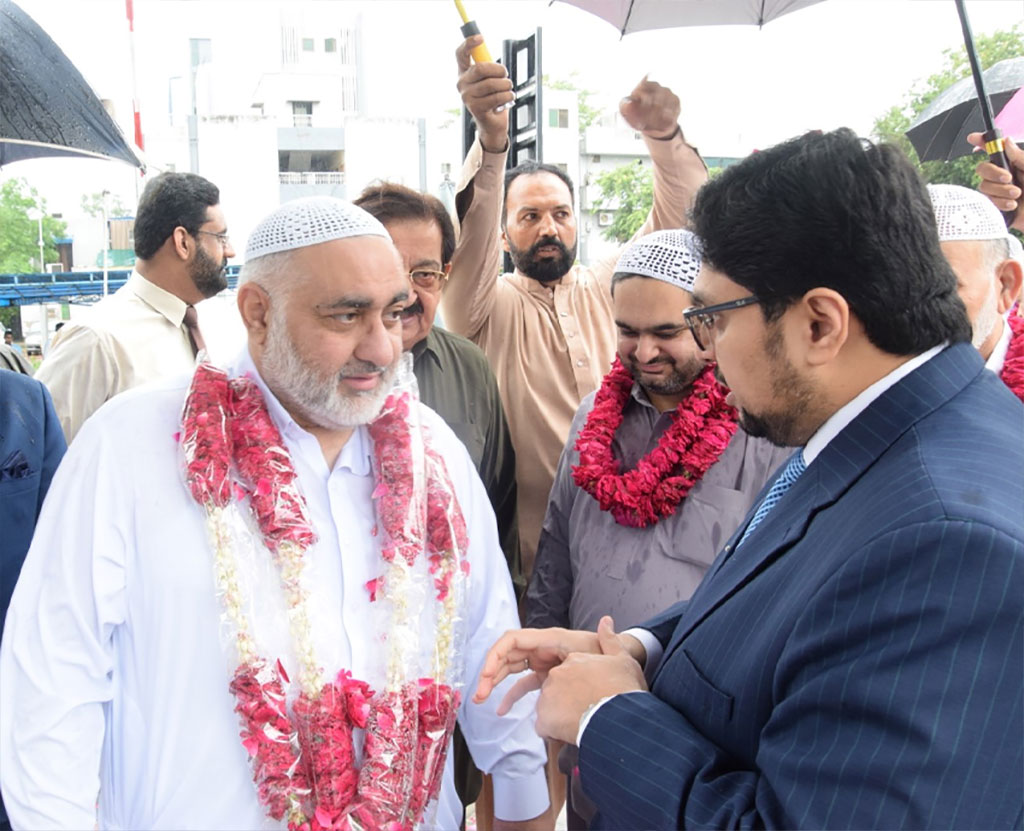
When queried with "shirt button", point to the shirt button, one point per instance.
{"points": [[570, 334], [581, 362], [563, 314]]}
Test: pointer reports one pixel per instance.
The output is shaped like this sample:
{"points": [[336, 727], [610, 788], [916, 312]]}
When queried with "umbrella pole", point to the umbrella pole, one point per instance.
{"points": [[993, 136]]}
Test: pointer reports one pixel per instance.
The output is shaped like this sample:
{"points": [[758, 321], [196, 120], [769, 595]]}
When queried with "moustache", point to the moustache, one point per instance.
{"points": [[546, 241], [721, 378], [413, 308], [360, 368]]}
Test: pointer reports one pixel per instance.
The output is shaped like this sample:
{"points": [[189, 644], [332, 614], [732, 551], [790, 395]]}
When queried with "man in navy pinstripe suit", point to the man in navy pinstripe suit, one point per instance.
{"points": [[853, 658]]}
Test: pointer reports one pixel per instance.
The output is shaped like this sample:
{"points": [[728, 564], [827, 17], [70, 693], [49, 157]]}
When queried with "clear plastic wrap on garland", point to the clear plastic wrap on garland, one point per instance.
{"points": [[302, 737]]}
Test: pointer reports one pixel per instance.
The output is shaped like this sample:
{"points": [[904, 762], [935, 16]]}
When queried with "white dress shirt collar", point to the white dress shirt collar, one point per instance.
{"points": [[838, 421], [169, 305], [354, 456]]}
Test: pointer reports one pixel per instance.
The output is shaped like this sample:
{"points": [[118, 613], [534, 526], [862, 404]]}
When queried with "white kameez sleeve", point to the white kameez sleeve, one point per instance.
{"points": [[507, 747], [56, 665]]}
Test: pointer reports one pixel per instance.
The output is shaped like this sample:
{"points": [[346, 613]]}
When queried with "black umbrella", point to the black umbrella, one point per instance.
{"points": [[940, 132], [46, 107], [993, 138]]}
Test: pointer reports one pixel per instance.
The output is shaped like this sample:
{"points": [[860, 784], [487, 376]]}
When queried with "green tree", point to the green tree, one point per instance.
{"points": [[19, 233], [892, 125], [587, 112], [629, 191], [92, 204]]}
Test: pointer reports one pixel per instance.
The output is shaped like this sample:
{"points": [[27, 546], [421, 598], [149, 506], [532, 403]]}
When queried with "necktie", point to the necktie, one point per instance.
{"points": [[790, 474], [192, 325]]}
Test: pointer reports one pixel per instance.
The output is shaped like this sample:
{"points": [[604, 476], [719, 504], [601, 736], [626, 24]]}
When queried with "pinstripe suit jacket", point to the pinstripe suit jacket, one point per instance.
{"points": [[857, 662]]}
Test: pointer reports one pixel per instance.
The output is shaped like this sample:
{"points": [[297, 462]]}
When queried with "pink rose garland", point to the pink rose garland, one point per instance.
{"points": [[304, 764], [703, 424], [1013, 366]]}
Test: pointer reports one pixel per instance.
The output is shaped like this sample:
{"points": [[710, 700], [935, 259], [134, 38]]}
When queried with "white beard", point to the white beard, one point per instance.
{"points": [[988, 317], [313, 393]]}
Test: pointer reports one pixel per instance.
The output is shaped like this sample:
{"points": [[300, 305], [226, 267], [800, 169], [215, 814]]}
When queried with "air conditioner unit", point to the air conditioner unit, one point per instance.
{"points": [[605, 218]]}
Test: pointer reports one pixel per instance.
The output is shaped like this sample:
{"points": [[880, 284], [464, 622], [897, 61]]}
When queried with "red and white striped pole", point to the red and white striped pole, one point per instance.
{"points": [[135, 84]]}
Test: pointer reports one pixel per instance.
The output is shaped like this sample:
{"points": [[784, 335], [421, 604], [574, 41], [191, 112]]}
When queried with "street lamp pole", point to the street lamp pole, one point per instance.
{"points": [[106, 243]]}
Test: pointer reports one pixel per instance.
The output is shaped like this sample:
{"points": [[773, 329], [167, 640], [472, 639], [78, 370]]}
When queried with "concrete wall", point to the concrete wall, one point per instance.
{"points": [[239, 155]]}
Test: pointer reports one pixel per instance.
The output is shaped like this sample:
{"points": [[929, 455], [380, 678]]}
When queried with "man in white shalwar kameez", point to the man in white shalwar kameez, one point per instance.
{"points": [[114, 701]]}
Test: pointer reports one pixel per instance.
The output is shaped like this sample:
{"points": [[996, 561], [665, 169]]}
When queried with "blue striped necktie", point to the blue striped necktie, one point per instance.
{"points": [[778, 489]]}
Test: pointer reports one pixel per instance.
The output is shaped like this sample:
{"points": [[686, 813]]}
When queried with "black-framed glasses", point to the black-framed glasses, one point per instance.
{"points": [[224, 239], [701, 319], [427, 278]]}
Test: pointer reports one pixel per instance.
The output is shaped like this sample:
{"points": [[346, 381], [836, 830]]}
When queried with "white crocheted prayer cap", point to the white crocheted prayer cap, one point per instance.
{"points": [[1016, 249], [310, 221], [965, 214], [670, 256]]}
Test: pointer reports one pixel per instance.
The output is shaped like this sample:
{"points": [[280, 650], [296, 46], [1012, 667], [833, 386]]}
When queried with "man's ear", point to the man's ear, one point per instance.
{"points": [[182, 243], [1009, 276], [504, 241], [254, 308], [824, 321]]}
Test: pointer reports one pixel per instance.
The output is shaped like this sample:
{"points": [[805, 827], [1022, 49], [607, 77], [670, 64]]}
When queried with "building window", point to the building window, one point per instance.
{"points": [[558, 118], [302, 113], [307, 44], [331, 45]]}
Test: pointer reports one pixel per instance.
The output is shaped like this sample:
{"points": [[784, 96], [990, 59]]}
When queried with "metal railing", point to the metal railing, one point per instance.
{"points": [[325, 177], [69, 286]]}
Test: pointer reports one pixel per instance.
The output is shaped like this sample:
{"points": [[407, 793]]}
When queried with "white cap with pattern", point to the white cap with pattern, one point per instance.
{"points": [[670, 256], [965, 214], [310, 221], [1016, 249]]}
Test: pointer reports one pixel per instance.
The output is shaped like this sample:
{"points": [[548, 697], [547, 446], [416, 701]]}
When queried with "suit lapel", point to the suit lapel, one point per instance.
{"points": [[840, 464]]}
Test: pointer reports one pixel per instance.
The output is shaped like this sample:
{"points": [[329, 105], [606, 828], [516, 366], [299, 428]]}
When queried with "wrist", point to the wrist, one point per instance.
{"points": [[587, 715], [676, 131], [494, 144], [634, 646]]}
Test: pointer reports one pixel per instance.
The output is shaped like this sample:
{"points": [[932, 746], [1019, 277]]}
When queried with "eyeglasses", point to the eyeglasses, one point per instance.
{"points": [[426, 278], [225, 240], [702, 318]]}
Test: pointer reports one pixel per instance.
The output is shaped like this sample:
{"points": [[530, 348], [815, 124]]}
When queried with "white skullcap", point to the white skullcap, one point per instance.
{"points": [[309, 221], [965, 214], [670, 256], [1016, 249]]}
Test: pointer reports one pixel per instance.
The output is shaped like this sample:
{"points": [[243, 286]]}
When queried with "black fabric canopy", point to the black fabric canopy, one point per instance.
{"points": [[46, 107], [940, 132]]}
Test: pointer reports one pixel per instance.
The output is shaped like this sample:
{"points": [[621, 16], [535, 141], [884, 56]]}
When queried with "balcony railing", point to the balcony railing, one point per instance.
{"points": [[302, 120], [328, 177]]}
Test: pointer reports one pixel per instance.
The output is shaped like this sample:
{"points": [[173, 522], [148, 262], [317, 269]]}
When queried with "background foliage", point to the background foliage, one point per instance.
{"points": [[19, 234]]}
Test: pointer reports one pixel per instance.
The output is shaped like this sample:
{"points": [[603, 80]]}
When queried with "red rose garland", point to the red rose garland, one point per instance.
{"points": [[1013, 366], [703, 424], [304, 765]]}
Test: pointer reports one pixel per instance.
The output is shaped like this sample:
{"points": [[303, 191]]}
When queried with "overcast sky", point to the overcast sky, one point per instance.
{"points": [[840, 62]]}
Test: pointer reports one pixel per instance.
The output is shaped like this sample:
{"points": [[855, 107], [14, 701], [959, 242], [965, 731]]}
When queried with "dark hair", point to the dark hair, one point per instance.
{"points": [[390, 202], [171, 200], [529, 168], [832, 210]]}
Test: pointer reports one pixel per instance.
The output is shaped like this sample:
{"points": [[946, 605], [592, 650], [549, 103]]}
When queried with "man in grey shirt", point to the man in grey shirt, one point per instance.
{"points": [[656, 474]]}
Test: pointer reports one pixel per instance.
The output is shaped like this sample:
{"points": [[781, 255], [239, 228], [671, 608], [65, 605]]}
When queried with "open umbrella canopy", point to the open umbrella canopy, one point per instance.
{"points": [[940, 132], [637, 15], [46, 107]]}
